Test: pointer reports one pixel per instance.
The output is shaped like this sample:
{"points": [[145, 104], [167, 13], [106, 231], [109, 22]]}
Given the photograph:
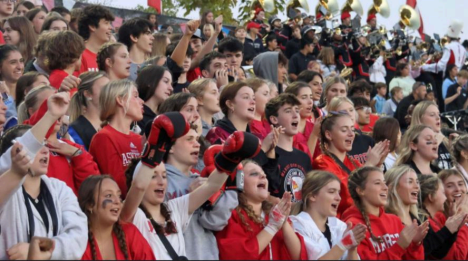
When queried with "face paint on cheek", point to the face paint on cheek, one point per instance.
{"points": [[105, 202], [429, 143]]}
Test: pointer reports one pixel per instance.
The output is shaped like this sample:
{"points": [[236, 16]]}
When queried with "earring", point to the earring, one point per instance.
{"points": [[89, 98]]}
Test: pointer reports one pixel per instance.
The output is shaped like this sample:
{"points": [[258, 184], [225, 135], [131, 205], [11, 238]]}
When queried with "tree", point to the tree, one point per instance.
{"points": [[218, 7], [169, 8], [246, 12]]}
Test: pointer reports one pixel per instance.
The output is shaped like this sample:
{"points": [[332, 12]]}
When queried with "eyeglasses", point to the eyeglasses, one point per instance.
{"points": [[365, 108]]}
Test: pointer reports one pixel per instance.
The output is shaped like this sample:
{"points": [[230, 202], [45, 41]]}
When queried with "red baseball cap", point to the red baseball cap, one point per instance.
{"points": [[253, 24]]}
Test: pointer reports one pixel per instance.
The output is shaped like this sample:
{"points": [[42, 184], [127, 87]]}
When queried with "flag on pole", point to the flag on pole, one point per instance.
{"points": [[156, 4], [414, 5]]}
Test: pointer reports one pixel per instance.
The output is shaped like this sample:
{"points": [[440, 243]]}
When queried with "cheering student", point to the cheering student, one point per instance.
{"points": [[237, 102], [84, 108], [454, 233], [136, 35], [427, 113], [386, 237], [115, 145], [293, 164], [64, 61], [32, 203], [455, 190], [304, 95], [256, 229], [233, 50], [418, 148], [11, 70], [334, 87], [33, 100], [361, 141], [95, 27], [336, 140], [154, 85], [315, 81], [325, 236], [100, 198], [260, 125], [113, 58], [207, 95], [185, 103], [20, 33], [387, 128], [460, 155]]}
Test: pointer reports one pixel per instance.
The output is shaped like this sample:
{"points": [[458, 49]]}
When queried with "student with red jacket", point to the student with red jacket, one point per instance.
{"points": [[100, 198], [452, 232], [237, 102], [115, 145], [68, 161], [337, 136], [386, 238], [256, 231]]}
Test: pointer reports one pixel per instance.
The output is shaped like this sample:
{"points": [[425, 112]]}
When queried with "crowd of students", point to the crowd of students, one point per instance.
{"points": [[140, 143]]}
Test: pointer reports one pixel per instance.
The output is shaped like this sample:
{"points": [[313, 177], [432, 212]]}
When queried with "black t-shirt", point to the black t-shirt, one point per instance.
{"points": [[402, 110], [178, 87], [292, 47], [458, 103], [293, 167], [361, 145], [299, 62], [444, 160]]}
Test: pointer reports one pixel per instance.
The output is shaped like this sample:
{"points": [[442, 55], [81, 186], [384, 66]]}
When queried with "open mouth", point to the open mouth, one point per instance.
{"points": [[261, 186], [44, 160], [115, 211], [457, 196], [195, 153], [295, 124], [349, 142], [414, 194], [334, 206], [159, 192], [252, 110], [383, 195]]}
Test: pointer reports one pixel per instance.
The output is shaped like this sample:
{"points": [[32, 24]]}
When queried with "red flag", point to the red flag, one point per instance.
{"points": [[414, 4], [156, 4]]}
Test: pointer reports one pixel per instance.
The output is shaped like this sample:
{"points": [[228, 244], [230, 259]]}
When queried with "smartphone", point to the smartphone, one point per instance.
{"points": [[63, 130]]}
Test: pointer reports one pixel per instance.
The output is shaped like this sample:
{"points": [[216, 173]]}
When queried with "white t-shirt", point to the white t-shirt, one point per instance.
{"points": [[179, 214]]}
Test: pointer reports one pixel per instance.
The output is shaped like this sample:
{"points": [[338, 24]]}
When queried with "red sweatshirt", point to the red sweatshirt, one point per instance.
{"points": [[56, 78], [236, 243], [459, 249], [324, 162], [137, 246], [260, 128], [72, 171], [113, 151], [388, 227]]}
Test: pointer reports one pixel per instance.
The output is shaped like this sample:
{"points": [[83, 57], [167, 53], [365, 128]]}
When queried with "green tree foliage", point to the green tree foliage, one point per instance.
{"points": [[169, 8], [246, 12], [218, 7]]}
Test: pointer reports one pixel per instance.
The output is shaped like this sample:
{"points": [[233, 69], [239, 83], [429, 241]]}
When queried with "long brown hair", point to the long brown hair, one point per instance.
{"points": [[358, 179], [89, 191], [243, 205], [28, 36]]}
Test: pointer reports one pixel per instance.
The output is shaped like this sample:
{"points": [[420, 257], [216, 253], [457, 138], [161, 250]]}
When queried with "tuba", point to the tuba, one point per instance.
{"points": [[409, 17], [381, 7], [292, 12], [267, 5], [330, 5], [353, 6]]}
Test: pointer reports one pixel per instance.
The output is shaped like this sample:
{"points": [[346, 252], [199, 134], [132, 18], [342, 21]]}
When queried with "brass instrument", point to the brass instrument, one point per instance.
{"points": [[381, 7], [423, 46], [330, 5], [267, 5], [291, 10], [444, 41], [353, 6], [409, 17]]}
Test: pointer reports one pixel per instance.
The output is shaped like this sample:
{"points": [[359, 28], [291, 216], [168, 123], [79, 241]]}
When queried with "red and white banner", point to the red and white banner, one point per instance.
{"points": [[156, 4], [414, 4]]}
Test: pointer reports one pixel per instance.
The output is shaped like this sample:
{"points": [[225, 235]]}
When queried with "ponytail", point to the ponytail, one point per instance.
{"points": [[79, 101]]}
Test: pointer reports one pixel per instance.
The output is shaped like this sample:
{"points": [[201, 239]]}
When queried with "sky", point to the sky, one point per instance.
{"points": [[437, 14]]}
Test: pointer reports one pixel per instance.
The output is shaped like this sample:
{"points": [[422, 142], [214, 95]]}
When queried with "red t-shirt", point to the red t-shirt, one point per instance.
{"points": [[113, 152], [88, 62], [236, 242], [194, 74], [56, 78], [137, 246], [325, 162]]}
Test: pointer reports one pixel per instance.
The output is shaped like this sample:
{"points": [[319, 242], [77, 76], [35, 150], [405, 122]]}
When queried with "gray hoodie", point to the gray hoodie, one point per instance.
{"points": [[200, 242], [265, 65]]}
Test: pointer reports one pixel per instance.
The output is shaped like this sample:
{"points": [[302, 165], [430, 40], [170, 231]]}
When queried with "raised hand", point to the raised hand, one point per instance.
{"points": [[407, 234], [279, 214], [218, 24], [191, 27], [271, 140], [165, 130], [377, 154], [20, 161], [421, 232], [58, 103], [69, 82], [454, 222]]}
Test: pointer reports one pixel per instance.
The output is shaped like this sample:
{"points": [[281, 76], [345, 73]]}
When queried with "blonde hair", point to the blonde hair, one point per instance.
{"points": [[419, 111], [79, 101], [211, 28], [410, 136], [337, 101], [30, 101], [330, 83], [395, 204], [313, 183], [327, 56], [198, 87], [108, 98]]}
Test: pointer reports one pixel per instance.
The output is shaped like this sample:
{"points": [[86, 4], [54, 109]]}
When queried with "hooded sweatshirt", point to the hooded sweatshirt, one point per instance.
{"points": [[200, 242], [387, 227], [221, 131], [266, 66]]}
